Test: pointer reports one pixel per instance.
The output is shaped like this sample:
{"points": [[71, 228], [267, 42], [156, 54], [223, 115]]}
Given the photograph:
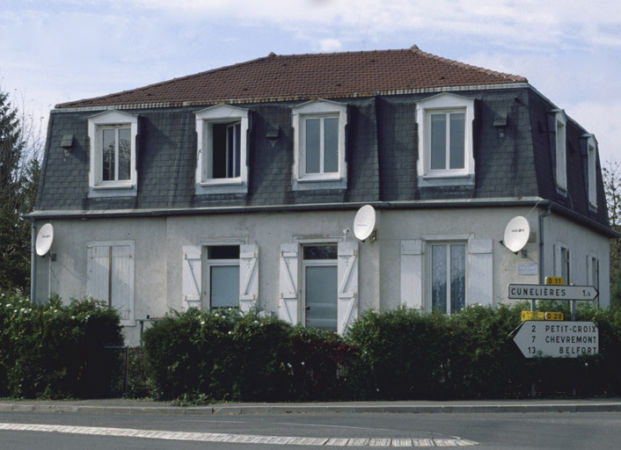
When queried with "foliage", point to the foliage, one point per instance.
{"points": [[58, 351], [19, 176], [230, 356], [612, 188]]}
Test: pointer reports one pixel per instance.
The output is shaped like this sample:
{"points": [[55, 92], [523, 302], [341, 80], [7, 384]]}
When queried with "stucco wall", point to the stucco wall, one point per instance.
{"points": [[159, 243]]}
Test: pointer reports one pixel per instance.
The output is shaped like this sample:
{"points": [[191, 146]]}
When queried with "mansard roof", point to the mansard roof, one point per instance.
{"points": [[309, 76]]}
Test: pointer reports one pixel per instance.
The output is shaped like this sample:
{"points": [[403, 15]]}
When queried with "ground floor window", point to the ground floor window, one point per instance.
{"points": [[320, 286], [222, 276], [448, 277]]}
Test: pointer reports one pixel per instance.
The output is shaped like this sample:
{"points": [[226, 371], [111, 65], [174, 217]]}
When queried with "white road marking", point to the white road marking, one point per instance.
{"points": [[239, 438]]}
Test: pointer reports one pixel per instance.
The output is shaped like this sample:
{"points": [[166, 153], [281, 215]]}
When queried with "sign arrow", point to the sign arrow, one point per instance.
{"points": [[557, 339]]}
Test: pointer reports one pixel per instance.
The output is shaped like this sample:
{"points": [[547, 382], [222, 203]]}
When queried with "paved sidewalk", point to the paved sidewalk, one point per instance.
{"points": [[128, 406]]}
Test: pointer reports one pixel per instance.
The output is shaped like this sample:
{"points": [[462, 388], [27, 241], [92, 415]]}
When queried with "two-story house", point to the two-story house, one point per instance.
{"points": [[238, 187]]}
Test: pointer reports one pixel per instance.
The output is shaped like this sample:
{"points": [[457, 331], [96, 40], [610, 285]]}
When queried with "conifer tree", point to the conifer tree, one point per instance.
{"points": [[18, 183]]}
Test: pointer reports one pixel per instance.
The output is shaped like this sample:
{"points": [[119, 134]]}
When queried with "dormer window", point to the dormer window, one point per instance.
{"points": [[222, 146], [559, 129], [589, 149], [445, 141], [319, 145], [112, 137]]}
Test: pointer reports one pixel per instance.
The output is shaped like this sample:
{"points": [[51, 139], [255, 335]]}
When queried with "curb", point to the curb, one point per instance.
{"points": [[487, 408]]}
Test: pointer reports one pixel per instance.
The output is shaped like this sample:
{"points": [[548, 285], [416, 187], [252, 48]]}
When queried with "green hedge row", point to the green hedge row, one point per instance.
{"points": [[397, 355], [59, 351]]}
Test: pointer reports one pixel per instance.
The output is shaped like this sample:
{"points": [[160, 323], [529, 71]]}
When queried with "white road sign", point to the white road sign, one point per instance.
{"points": [[557, 339], [551, 292]]}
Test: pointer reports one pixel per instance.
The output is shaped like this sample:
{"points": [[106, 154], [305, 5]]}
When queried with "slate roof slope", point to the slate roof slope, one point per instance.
{"points": [[298, 77]]}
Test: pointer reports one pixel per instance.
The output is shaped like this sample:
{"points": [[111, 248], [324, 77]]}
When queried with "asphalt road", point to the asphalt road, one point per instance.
{"points": [[505, 431]]}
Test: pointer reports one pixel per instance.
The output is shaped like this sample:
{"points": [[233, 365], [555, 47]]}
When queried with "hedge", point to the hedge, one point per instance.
{"points": [[58, 351], [396, 355]]}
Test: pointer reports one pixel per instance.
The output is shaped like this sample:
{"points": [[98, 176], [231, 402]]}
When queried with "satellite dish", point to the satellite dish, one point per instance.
{"points": [[45, 236], [517, 233], [365, 222]]}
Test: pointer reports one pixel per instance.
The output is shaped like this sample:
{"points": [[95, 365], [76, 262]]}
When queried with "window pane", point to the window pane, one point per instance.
{"points": [[331, 145], [108, 145], [233, 150], [457, 140], [224, 286], [458, 277], [317, 252], [321, 295], [438, 141], [218, 151], [223, 252], [124, 153], [312, 146], [438, 278]]}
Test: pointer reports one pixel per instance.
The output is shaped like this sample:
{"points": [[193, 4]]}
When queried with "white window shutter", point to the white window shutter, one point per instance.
{"points": [[122, 282], [412, 274], [480, 272], [98, 268], [248, 277], [192, 284], [347, 308], [288, 302]]}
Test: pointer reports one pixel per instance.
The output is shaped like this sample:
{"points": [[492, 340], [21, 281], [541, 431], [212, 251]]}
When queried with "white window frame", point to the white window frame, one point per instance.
{"points": [[90, 287], [96, 124], [445, 103], [209, 263], [319, 109], [315, 263], [205, 120], [560, 150]]}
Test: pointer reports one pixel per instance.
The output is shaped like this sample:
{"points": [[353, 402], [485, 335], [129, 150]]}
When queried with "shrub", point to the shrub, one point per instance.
{"points": [[58, 351]]}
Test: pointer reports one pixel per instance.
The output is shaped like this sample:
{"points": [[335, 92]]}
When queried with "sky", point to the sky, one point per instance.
{"points": [[54, 51]]}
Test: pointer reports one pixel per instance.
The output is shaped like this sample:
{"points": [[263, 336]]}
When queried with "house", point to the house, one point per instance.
{"points": [[239, 186]]}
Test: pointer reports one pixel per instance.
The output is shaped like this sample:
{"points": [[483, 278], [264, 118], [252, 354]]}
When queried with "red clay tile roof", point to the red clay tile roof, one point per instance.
{"points": [[299, 77]]}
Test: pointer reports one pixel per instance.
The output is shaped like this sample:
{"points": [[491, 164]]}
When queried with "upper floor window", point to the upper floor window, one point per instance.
{"points": [[222, 146], [590, 148], [319, 145], [112, 137], [445, 140], [559, 151]]}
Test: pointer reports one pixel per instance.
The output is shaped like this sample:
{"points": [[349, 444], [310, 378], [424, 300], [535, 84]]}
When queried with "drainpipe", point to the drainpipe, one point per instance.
{"points": [[33, 259], [541, 258]]}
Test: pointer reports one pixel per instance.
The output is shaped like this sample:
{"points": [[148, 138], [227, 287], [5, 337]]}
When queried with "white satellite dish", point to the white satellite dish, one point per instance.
{"points": [[365, 222], [45, 236], [517, 233]]}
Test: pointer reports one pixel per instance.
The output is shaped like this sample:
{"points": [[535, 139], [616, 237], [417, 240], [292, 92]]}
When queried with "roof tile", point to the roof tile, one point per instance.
{"points": [[308, 76]]}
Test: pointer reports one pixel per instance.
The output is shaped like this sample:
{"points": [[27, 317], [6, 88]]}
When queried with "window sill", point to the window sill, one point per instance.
{"points": [[310, 184], [112, 190], [222, 186], [446, 180]]}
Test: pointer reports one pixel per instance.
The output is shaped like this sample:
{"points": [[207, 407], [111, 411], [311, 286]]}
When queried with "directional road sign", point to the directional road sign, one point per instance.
{"points": [[551, 292], [557, 339]]}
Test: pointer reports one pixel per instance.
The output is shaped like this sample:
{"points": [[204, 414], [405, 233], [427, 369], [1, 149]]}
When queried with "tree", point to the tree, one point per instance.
{"points": [[19, 177], [612, 188]]}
